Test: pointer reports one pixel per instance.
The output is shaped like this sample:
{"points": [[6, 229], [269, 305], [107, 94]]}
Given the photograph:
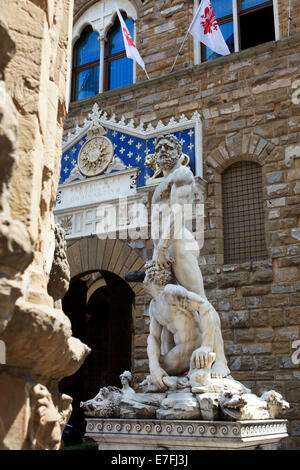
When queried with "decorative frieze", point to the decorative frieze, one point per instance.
{"points": [[188, 434], [123, 214], [81, 205], [217, 429], [97, 190]]}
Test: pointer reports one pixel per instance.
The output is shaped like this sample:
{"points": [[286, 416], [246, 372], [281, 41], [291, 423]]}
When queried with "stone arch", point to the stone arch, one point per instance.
{"points": [[116, 256], [240, 147], [100, 19], [102, 313]]}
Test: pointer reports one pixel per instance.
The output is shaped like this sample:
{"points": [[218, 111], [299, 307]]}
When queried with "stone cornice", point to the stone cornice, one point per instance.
{"points": [[226, 429], [184, 434]]}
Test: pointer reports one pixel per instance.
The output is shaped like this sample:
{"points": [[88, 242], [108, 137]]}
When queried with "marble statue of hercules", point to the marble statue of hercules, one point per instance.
{"points": [[177, 245]]}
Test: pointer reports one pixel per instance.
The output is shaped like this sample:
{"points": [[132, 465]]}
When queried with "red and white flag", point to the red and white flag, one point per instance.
{"points": [[131, 50], [206, 28]]}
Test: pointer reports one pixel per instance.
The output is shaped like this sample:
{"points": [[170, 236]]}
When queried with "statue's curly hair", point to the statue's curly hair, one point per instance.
{"points": [[157, 275]]}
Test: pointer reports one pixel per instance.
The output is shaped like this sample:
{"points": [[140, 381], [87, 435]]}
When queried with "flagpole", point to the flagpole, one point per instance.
{"points": [[290, 18], [179, 52]]}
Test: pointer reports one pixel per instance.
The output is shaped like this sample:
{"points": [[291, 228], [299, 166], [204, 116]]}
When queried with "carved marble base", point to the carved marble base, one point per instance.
{"points": [[147, 434]]}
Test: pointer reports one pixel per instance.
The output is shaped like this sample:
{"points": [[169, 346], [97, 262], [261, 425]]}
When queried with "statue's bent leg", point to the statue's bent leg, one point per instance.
{"points": [[186, 268], [177, 361], [188, 274], [219, 368], [201, 356]]}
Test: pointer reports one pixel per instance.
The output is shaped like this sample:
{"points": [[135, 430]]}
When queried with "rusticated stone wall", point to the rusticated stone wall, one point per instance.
{"points": [[40, 349], [249, 105]]}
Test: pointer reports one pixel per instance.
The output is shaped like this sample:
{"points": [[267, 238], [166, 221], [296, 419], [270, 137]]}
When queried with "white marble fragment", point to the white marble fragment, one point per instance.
{"points": [[209, 406], [179, 405]]}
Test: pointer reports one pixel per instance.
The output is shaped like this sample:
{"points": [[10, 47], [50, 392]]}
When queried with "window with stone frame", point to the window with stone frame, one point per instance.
{"points": [[243, 213], [85, 71], [118, 68], [243, 23], [101, 64]]}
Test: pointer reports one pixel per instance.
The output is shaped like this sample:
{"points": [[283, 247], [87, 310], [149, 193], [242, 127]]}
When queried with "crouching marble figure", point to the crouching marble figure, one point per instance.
{"points": [[189, 377], [182, 331]]}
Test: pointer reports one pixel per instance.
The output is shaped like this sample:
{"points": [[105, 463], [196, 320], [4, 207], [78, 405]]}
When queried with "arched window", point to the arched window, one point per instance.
{"points": [[119, 69], [86, 56], [243, 213], [99, 56]]}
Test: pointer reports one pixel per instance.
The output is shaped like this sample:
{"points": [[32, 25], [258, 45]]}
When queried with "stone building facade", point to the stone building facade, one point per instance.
{"points": [[248, 104]]}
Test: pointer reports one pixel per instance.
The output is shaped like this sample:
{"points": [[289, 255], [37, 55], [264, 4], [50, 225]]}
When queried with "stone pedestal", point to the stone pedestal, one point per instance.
{"points": [[144, 434]]}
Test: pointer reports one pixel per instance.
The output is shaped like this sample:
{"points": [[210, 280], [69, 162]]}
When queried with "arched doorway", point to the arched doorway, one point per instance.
{"points": [[99, 305]]}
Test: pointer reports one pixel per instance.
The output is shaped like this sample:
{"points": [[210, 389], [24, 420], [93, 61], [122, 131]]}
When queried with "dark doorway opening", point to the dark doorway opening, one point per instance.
{"points": [[99, 305]]}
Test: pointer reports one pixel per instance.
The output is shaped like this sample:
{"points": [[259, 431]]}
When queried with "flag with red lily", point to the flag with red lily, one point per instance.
{"points": [[130, 47], [206, 29]]}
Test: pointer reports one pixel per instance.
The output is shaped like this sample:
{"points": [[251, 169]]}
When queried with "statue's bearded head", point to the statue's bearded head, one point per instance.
{"points": [[168, 151]]}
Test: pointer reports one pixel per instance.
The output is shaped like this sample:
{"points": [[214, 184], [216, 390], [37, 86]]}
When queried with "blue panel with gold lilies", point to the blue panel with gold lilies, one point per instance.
{"points": [[131, 151]]}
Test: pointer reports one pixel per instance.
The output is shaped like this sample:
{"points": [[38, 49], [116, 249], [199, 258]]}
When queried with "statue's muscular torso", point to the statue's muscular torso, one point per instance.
{"points": [[175, 191], [164, 193]]}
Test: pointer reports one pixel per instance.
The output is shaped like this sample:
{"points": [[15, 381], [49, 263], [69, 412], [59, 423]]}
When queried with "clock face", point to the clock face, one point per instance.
{"points": [[95, 156]]}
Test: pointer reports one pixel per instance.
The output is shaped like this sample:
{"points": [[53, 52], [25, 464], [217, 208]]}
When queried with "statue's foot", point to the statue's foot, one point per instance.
{"points": [[210, 360], [202, 358], [219, 370]]}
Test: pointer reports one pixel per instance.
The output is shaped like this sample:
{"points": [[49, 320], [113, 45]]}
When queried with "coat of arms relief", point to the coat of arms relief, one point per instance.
{"points": [[95, 156]]}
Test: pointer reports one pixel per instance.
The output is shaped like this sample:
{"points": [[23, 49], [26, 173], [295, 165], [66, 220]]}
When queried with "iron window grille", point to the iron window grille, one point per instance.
{"points": [[243, 213]]}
